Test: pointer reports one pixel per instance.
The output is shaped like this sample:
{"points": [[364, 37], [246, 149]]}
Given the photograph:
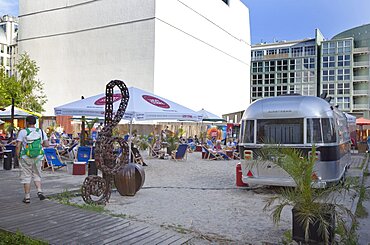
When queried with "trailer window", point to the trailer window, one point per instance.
{"points": [[248, 134], [280, 131], [320, 130]]}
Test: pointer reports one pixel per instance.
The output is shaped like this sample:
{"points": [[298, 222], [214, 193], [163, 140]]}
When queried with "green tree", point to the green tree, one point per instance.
{"points": [[23, 87]]}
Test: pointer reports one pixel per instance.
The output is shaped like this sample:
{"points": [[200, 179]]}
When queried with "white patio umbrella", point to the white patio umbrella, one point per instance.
{"points": [[142, 106], [18, 113], [1, 122], [210, 117]]}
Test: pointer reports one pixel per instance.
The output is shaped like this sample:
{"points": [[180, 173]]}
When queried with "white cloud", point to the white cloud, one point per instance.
{"points": [[9, 7]]}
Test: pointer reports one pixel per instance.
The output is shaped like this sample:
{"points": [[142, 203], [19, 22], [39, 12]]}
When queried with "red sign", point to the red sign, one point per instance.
{"points": [[101, 101], [155, 101]]}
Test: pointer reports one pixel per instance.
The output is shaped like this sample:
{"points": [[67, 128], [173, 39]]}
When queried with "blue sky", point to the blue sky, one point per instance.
{"points": [[286, 19], [297, 19]]}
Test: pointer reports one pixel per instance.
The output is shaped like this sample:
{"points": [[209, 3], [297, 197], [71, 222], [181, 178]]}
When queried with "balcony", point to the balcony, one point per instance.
{"points": [[360, 107], [364, 50], [271, 56], [361, 64], [360, 92], [360, 78]]}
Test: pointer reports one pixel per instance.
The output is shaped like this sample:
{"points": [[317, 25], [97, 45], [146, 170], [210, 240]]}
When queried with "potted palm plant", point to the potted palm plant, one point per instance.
{"points": [[316, 211]]}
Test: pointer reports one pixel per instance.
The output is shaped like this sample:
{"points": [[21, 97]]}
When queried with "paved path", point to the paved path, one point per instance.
{"points": [[61, 224], [364, 223]]}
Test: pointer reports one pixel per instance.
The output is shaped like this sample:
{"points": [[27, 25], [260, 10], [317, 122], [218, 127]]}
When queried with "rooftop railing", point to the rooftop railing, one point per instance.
{"points": [[360, 78]]}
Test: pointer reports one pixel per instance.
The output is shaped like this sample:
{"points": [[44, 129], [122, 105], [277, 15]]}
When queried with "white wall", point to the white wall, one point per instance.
{"points": [[75, 59], [202, 54], [193, 52]]}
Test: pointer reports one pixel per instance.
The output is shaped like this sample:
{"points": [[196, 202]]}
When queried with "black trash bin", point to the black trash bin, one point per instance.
{"points": [[92, 169], [8, 159]]}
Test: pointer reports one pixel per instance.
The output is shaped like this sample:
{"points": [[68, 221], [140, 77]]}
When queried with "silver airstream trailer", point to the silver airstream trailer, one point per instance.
{"points": [[299, 122]]}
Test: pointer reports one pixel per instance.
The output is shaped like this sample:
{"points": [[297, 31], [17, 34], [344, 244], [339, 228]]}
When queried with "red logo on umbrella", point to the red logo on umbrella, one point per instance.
{"points": [[101, 101], [155, 101]]}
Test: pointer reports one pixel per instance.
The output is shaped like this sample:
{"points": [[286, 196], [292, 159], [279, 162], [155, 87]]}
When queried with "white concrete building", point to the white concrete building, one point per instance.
{"points": [[196, 53], [8, 43]]}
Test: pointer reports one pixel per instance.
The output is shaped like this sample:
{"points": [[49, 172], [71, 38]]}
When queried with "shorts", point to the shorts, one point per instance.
{"points": [[30, 169]]}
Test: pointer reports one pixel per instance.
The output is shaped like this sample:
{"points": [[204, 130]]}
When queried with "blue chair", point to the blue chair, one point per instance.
{"points": [[53, 159], [180, 153], [84, 154]]}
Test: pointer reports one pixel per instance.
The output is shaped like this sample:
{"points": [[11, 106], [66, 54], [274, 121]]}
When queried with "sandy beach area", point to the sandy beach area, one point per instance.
{"points": [[200, 197]]}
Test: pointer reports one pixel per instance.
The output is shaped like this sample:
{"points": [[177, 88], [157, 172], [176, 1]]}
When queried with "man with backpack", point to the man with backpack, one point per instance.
{"points": [[29, 150]]}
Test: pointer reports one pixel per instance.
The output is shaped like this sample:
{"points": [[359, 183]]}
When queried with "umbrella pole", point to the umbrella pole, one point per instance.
{"points": [[130, 141]]}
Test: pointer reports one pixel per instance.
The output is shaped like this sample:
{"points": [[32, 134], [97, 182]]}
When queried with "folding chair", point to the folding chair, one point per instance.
{"points": [[52, 159], [212, 155], [84, 154], [136, 156], [180, 153]]}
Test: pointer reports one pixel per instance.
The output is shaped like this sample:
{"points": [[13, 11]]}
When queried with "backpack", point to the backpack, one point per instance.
{"points": [[33, 147]]}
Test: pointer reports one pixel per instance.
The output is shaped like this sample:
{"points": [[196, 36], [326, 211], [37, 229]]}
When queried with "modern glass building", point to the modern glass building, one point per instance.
{"points": [[338, 67]]}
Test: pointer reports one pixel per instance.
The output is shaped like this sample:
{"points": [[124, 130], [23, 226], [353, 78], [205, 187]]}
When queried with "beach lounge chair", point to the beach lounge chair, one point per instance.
{"points": [[236, 155], [212, 155], [84, 154], [154, 152], [52, 159], [136, 156], [180, 152]]}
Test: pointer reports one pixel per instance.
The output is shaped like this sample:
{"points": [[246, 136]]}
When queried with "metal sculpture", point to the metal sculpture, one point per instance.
{"points": [[96, 189]]}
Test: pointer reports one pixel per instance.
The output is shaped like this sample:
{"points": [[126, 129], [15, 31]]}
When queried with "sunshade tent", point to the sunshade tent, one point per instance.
{"points": [[142, 106], [210, 117], [1, 122], [18, 113], [362, 121]]}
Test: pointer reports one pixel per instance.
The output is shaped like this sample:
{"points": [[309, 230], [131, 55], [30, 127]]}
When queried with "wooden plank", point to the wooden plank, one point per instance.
{"points": [[126, 238], [108, 231], [163, 238], [127, 230], [49, 228], [149, 240], [182, 240], [152, 233], [170, 240], [82, 227], [40, 220]]}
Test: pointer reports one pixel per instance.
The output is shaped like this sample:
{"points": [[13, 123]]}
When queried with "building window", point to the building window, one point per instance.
{"points": [[328, 48], [271, 51], [269, 66], [328, 61], [226, 1], [309, 63], [298, 51], [257, 67], [328, 75], [269, 91], [258, 54], [282, 65], [344, 74], [328, 88], [308, 76], [284, 51], [343, 88], [269, 78], [344, 60], [310, 50], [343, 103], [281, 78], [257, 79], [344, 46]]}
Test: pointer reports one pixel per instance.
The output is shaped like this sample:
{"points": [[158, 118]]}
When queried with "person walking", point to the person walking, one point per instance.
{"points": [[29, 151]]}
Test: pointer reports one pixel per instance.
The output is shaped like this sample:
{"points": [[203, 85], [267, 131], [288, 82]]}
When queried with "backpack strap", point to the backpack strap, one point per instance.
{"points": [[28, 131]]}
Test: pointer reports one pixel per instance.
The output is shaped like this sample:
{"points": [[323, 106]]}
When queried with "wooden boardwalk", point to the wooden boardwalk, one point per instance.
{"points": [[61, 224]]}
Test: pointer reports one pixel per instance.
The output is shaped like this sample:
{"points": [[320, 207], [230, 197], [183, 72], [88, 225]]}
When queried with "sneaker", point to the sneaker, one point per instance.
{"points": [[41, 196], [26, 200]]}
